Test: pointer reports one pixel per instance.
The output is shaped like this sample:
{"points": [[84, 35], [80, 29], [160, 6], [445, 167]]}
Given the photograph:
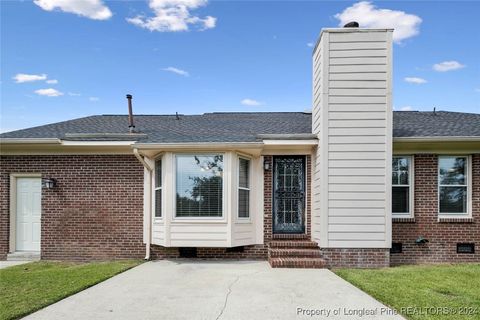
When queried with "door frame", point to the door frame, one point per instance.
{"points": [[305, 191], [13, 207]]}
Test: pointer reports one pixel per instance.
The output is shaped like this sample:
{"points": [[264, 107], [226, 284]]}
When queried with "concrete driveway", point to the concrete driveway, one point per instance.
{"points": [[218, 290]]}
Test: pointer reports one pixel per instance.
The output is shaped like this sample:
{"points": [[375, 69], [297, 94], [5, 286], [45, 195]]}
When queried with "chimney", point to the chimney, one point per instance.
{"points": [[131, 126], [352, 117]]}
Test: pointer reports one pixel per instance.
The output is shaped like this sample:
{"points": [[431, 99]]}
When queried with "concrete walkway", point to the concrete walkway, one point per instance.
{"points": [[6, 264], [217, 290]]}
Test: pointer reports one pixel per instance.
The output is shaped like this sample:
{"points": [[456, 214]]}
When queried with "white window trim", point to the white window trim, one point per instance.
{"points": [[468, 168], [226, 168], [155, 188], [411, 188], [249, 218]]}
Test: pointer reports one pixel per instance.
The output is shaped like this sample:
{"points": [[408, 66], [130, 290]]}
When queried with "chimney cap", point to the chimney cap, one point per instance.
{"points": [[353, 24], [129, 96]]}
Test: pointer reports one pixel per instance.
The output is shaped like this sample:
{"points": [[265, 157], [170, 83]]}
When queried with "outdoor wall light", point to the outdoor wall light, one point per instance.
{"points": [[49, 183], [421, 240], [266, 165]]}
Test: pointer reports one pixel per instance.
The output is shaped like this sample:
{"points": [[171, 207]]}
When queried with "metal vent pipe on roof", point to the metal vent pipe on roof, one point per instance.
{"points": [[131, 126], [353, 24]]}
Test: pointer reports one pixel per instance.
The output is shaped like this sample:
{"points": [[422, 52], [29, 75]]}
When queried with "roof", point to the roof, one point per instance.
{"points": [[237, 127]]}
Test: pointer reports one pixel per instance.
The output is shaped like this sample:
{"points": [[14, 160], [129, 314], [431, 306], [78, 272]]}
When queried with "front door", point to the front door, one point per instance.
{"points": [[289, 194], [28, 213]]}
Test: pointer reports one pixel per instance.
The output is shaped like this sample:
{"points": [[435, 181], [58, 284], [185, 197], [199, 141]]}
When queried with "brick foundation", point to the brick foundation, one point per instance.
{"points": [[95, 213], [443, 235], [356, 258]]}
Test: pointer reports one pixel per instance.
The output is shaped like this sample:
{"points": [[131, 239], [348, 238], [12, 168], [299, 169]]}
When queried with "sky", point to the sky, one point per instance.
{"points": [[64, 59]]}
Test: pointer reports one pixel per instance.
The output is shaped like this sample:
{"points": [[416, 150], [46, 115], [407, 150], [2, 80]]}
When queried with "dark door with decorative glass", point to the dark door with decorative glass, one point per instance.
{"points": [[288, 194]]}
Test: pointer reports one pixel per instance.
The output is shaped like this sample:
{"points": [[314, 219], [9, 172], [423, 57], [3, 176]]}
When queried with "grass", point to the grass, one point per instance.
{"points": [[456, 287], [29, 287]]}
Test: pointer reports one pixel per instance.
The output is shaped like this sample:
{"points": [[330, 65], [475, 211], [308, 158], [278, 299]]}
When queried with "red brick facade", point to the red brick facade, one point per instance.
{"points": [[356, 258], [443, 235], [95, 213]]}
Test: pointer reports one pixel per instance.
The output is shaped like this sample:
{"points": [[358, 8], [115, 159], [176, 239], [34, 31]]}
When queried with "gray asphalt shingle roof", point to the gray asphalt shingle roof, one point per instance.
{"points": [[241, 127]]}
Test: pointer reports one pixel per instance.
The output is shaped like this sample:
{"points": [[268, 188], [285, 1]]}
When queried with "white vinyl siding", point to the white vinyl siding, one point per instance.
{"points": [[352, 118]]}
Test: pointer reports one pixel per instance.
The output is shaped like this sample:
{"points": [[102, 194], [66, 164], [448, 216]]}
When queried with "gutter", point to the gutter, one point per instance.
{"points": [[30, 141], [196, 145], [148, 241], [437, 139]]}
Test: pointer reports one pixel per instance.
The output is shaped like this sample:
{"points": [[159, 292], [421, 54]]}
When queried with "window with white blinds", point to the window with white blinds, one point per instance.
{"points": [[158, 188], [243, 188], [199, 185]]}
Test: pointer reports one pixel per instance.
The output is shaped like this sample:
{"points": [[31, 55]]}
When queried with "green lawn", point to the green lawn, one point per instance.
{"points": [[421, 287], [29, 287]]}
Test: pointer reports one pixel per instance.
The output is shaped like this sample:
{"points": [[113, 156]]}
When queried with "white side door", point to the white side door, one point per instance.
{"points": [[29, 208]]}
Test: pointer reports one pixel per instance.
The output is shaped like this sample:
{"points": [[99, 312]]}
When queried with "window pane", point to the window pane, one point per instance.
{"points": [[452, 170], [400, 174], [199, 184], [400, 200], [158, 173], [158, 203], [243, 203], [453, 199], [243, 173]]}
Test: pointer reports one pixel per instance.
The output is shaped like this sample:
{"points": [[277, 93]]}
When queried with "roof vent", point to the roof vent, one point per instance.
{"points": [[353, 24], [131, 126]]}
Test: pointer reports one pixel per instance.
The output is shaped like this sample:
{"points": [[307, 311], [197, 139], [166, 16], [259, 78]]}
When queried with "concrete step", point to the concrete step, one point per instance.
{"points": [[23, 256], [292, 244], [297, 262], [293, 252]]}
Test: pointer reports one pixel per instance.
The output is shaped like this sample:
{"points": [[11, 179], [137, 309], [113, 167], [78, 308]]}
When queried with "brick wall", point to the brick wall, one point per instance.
{"points": [[94, 213], [356, 258], [96, 210], [444, 235]]}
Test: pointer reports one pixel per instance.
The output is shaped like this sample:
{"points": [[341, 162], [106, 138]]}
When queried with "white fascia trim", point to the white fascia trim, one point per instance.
{"points": [[197, 145], [436, 139], [310, 142], [30, 141], [97, 143]]}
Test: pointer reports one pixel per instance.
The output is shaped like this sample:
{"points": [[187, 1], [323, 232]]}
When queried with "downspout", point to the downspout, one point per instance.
{"points": [[149, 203]]}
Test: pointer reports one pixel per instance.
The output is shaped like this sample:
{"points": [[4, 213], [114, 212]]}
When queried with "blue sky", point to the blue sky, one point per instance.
{"points": [[235, 56]]}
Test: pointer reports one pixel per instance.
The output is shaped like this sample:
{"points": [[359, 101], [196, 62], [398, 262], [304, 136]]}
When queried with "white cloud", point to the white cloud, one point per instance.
{"points": [[448, 66], [406, 108], [369, 16], [177, 71], [93, 9], [310, 44], [415, 80], [50, 92], [174, 15], [22, 77], [250, 102], [94, 99], [52, 81]]}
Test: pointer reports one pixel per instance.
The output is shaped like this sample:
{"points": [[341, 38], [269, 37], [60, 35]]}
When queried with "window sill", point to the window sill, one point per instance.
{"points": [[455, 220], [403, 220]]}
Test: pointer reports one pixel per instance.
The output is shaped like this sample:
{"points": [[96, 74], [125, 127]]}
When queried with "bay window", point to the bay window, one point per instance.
{"points": [[401, 186], [453, 184], [199, 185], [158, 188], [243, 188]]}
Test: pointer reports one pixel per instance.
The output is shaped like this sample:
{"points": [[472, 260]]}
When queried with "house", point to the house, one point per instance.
{"points": [[351, 184]]}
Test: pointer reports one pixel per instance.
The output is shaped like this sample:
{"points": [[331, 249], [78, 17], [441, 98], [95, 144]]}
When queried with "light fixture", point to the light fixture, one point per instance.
{"points": [[49, 183], [266, 165], [421, 240]]}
